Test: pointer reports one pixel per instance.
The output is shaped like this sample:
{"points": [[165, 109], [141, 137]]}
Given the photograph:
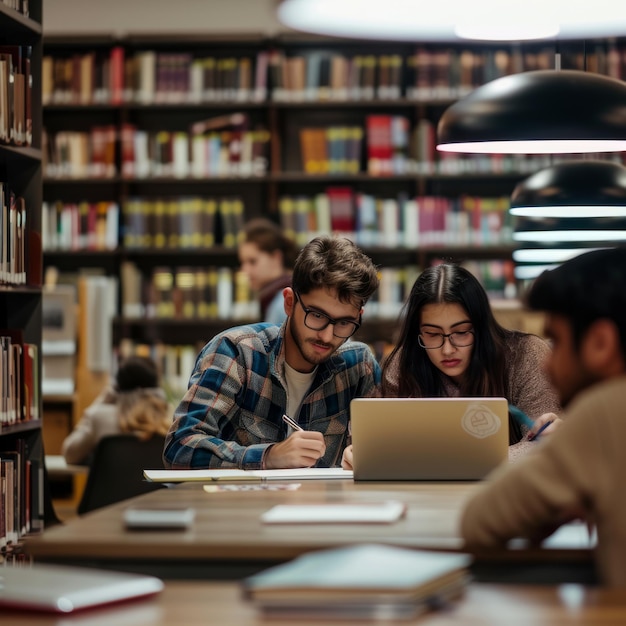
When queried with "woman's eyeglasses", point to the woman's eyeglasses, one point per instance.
{"points": [[459, 339]]}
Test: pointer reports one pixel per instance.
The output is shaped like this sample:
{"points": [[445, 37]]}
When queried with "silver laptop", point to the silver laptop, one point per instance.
{"points": [[65, 589], [428, 438]]}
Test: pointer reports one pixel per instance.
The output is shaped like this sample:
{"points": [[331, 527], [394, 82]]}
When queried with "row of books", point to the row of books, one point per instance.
{"points": [[80, 225], [157, 77], [223, 293], [389, 145], [220, 293], [182, 155], [331, 150], [21, 511], [13, 236], [187, 293], [496, 276], [428, 73], [16, 84], [436, 73], [148, 154], [391, 148], [391, 222], [184, 222], [11, 498], [19, 391], [322, 75], [21, 6], [151, 77], [79, 154], [394, 149], [94, 77], [396, 283], [197, 222]]}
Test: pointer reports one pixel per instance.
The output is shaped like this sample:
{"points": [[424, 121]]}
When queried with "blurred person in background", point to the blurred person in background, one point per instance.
{"points": [[133, 403], [267, 256]]}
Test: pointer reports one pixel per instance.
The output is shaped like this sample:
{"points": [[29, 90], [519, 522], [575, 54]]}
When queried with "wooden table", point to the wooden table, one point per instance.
{"points": [[228, 539], [198, 603]]}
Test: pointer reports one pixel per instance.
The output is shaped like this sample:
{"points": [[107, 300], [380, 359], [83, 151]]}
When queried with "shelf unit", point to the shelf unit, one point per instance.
{"points": [[21, 298], [285, 176]]}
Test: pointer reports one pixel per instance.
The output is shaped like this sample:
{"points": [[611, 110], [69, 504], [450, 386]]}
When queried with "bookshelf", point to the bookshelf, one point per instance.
{"points": [[193, 135], [25, 506]]}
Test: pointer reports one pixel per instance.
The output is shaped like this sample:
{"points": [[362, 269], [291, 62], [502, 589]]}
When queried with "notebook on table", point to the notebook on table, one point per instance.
{"points": [[65, 589], [428, 438]]}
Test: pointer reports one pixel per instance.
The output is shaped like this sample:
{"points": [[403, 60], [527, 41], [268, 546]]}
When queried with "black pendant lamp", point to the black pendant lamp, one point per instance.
{"points": [[585, 188], [567, 209], [538, 112]]}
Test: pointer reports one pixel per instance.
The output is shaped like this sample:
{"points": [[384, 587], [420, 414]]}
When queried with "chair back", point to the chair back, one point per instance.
{"points": [[116, 472]]}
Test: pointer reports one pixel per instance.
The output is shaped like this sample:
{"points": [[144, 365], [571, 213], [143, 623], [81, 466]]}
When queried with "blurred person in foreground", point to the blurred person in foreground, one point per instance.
{"points": [[577, 473]]}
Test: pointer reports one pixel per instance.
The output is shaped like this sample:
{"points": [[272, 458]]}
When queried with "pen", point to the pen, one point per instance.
{"points": [[541, 430], [291, 423]]}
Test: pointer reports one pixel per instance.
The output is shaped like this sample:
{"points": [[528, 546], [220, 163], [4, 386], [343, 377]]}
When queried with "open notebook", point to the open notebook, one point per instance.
{"points": [[428, 438]]}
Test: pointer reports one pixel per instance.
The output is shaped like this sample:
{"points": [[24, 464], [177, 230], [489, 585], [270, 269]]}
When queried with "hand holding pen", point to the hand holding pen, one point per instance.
{"points": [[550, 420], [302, 448]]}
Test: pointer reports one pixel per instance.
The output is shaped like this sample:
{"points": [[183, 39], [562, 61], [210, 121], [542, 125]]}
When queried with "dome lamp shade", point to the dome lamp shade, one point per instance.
{"points": [[573, 189], [538, 112]]}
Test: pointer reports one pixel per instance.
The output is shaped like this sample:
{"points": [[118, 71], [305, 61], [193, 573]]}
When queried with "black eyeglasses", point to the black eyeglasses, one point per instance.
{"points": [[459, 339], [316, 320]]}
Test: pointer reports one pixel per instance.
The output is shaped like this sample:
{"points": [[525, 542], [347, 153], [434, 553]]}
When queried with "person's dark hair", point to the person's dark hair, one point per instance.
{"points": [[137, 372], [416, 376], [584, 289], [269, 237], [335, 263]]}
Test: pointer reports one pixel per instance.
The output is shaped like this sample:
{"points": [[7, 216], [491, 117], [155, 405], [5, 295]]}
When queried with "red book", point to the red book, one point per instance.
{"points": [[128, 150], [116, 84], [342, 209], [379, 145]]}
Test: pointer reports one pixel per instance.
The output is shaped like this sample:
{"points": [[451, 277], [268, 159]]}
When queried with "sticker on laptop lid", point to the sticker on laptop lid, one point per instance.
{"points": [[480, 421]]}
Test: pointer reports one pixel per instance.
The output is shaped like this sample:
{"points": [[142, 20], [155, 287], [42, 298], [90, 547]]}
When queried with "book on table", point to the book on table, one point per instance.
{"points": [[239, 475], [366, 581]]}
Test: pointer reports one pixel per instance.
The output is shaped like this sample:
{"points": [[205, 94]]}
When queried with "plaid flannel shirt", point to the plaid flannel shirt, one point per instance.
{"points": [[232, 411]]}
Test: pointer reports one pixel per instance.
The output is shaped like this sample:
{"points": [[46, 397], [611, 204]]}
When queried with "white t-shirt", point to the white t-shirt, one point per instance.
{"points": [[298, 384]]}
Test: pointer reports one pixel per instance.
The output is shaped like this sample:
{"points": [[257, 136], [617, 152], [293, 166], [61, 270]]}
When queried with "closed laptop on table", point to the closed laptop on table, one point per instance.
{"points": [[428, 438], [65, 589]]}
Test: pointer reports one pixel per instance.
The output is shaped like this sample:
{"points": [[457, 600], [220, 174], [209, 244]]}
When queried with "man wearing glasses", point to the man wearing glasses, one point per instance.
{"points": [[247, 378]]}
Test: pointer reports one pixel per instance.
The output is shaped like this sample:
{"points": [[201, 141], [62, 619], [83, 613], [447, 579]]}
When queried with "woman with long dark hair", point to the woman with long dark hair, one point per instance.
{"points": [[450, 344]]}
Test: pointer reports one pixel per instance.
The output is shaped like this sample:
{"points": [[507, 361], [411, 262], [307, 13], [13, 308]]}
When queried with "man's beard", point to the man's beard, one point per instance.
{"points": [[309, 355]]}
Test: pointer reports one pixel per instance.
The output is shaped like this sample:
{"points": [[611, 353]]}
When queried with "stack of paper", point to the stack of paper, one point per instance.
{"points": [[359, 582]]}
